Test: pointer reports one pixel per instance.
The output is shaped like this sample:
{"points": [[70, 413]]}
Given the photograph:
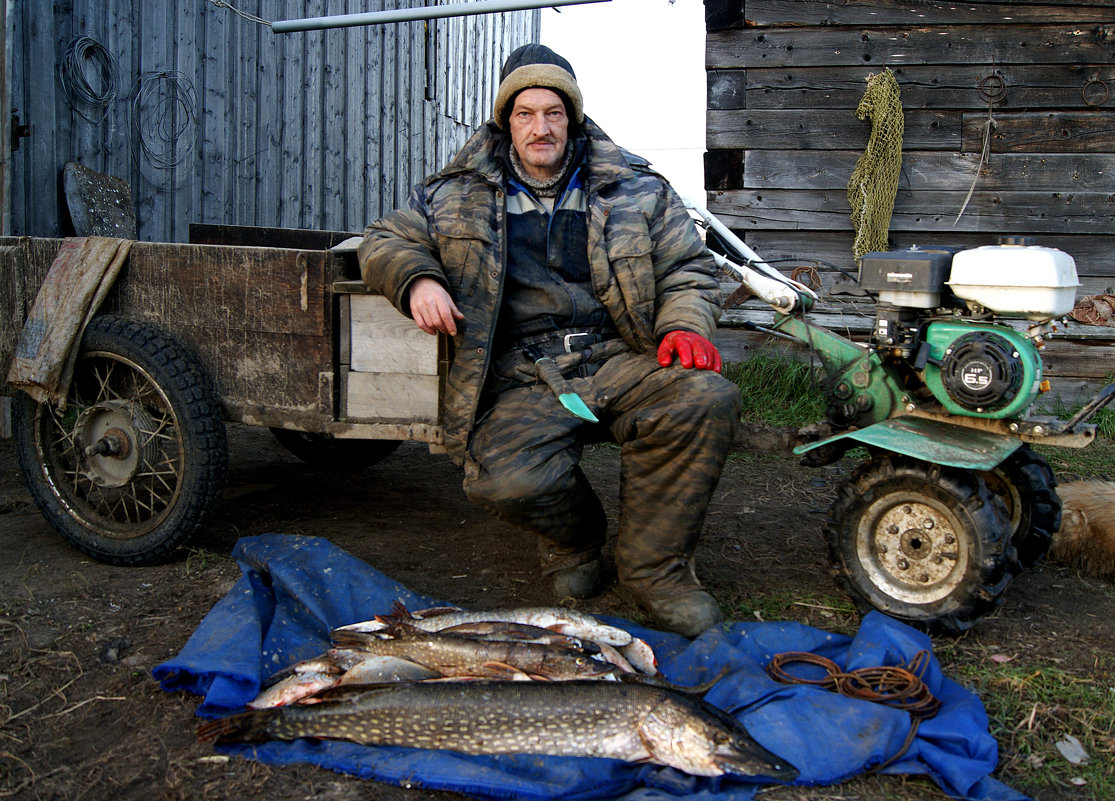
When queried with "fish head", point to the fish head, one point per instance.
{"points": [[743, 756], [702, 740]]}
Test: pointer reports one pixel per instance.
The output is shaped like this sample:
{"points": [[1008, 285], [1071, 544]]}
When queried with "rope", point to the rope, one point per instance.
{"points": [[899, 687], [992, 89], [87, 62], [239, 13], [874, 182]]}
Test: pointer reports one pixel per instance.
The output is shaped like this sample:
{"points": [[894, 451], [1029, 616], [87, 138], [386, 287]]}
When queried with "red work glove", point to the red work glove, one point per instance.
{"points": [[692, 350]]}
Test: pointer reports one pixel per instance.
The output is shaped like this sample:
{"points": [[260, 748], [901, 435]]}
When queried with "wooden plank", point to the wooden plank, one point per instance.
{"points": [[922, 171], [1042, 132], [939, 12], [334, 114], [930, 44], [389, 396], [268, 161], [1095, 259], [313, 121], [824, 129], [998, 212], [925, 86], [385, 341], [227, 289]]}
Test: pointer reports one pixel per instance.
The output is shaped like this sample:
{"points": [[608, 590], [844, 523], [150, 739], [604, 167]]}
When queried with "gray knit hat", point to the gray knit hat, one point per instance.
{"points": [[537, 65]]}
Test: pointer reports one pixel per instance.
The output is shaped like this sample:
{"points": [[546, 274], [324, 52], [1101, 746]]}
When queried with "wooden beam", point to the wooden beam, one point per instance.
{"points": [[939, 12], [880, 47], [824, 129]]}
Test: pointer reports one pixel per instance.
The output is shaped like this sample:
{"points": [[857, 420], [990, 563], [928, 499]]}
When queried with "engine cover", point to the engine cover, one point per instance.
{"points": [[981, 370]]}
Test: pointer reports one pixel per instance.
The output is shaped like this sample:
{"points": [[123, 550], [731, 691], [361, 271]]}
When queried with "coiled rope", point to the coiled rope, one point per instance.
{"points": [[898, 686], [89, 76]]}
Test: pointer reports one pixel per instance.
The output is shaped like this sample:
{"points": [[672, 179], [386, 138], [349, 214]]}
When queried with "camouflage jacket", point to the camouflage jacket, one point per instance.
{"points": [[649, 267]]}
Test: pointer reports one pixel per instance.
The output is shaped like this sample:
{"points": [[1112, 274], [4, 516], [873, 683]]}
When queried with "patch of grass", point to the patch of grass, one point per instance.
{"points": [[833, 613], [1031, 709], [778, 391], [1097, 461]]}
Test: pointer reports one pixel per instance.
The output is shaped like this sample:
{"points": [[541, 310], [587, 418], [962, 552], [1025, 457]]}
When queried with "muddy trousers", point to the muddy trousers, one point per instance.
{"points": [[674, 427]]}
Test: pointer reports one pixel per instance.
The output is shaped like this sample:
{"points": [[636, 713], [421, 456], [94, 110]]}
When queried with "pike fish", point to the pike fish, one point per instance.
{"points": [[455, 656], [565, 621], [632, 722]]}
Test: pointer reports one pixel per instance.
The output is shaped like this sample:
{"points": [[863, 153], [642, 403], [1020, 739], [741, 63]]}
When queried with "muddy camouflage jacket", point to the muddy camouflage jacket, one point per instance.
{"points": [[649, 267]]}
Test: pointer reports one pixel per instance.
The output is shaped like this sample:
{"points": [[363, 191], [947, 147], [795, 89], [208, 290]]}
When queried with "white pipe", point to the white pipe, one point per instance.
{"points": [[411, 14], [769, 290]]}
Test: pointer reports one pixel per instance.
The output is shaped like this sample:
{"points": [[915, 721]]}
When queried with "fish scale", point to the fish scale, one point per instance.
{"points": [[632, 722]]}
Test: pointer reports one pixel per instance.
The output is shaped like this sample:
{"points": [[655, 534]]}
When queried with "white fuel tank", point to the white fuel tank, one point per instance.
{"points": [[1016, 280]]}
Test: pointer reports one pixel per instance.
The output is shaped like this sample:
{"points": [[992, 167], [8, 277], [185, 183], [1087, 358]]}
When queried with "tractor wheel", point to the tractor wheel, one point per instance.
{"points": [[923, 543], [137, 460], [1025, 483], [326, 452]]}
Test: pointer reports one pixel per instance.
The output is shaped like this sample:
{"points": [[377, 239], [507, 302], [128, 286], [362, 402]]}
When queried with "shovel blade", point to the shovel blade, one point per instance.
{"points": [[577, 407]]}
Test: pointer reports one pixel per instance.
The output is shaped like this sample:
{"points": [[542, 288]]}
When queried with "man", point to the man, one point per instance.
{"points": [[542, 239]]}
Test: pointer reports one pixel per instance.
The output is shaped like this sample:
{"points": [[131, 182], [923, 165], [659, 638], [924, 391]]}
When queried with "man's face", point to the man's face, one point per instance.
{"points": [[539, 131]]}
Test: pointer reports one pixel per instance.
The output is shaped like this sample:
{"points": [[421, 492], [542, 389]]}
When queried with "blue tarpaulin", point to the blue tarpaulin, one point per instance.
{"points": [[294, 590]]}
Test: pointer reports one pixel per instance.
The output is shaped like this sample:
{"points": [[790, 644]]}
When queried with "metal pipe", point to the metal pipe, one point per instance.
{"points": [[411, 14]]}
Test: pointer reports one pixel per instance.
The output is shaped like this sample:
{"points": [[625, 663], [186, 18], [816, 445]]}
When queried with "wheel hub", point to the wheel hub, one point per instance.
{"points": [[912, 552], [117, 441]]}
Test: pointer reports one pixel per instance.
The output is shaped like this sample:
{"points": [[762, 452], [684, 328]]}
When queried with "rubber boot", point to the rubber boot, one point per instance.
{"points": [[676, 600], [580, 581]]}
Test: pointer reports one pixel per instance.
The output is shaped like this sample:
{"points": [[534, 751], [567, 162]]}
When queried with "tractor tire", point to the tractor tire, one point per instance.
{"points": [[1025, 483], [325, 452], [926, 544], [138, 458]]}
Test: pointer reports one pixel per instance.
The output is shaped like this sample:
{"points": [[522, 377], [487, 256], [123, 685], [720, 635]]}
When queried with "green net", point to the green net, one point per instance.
{"points": [[874, 181]]}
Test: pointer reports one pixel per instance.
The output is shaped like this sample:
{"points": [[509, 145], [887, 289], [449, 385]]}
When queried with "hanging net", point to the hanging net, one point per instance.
{"points": [[874, 182]]}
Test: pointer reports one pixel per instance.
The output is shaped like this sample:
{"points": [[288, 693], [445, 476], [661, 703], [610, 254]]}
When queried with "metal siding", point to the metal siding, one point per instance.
{"points": [[322, 129]]}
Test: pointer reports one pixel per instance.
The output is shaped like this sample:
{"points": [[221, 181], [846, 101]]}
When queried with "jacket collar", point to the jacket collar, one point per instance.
{"points": [[604, 162]]}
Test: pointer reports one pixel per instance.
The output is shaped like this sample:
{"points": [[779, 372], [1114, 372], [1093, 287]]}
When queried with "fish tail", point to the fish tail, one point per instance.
{"points": [[243, 727]]}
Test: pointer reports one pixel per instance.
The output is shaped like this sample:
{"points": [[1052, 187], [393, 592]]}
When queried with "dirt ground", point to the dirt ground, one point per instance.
{"points": [[82, 718]]}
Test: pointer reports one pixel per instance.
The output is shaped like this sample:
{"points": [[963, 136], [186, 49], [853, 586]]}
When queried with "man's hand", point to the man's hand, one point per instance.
{"points": [[692, 350], [432, 308]]}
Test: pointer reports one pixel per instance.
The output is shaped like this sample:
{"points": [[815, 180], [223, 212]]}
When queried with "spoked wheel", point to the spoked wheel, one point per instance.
{"points": [[1025, 483], [330, 453], [137, 459], [923, 543]]}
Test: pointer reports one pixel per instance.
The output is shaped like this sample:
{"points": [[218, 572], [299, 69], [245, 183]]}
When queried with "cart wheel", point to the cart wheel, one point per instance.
{"points": [[137, 459], [923, 543], [326, 452], [1025, 483]]}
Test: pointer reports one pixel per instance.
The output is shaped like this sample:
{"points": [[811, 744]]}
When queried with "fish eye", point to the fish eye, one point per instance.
{"points": [[720, 738]]}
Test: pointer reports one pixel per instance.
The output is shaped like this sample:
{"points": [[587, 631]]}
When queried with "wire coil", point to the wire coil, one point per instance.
{"points": [[898, 686], [90, 76]]}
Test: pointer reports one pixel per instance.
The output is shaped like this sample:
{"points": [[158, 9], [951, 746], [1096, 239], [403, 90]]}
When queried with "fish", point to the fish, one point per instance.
{"points": [[565, 621], [336, 667], [585, 718], [454, 656]]}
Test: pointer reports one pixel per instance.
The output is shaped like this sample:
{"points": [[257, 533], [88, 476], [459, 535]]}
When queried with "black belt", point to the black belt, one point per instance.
{"points": [[566, 340]]}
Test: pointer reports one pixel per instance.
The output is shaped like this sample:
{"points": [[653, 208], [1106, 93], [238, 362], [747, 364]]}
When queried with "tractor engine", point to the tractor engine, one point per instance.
{"points": [[955, 319]]}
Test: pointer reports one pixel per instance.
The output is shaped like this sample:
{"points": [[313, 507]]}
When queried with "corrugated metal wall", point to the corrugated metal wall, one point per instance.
{"points": [[215, 119]]}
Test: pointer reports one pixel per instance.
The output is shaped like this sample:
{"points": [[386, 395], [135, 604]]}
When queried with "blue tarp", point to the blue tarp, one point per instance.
{"points": [[294, 590]]}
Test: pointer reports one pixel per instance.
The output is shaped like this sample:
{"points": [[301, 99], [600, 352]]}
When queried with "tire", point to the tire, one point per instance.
{"points": [[926, 544], [162, 455], [326, 452], [1025, 483]]}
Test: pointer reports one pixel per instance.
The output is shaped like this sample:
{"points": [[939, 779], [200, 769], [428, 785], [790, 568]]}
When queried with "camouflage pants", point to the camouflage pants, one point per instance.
{"points": [[674, 427]]}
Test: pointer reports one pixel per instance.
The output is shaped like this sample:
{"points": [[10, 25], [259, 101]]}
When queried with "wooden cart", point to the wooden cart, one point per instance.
{"points": [[265, 327]]}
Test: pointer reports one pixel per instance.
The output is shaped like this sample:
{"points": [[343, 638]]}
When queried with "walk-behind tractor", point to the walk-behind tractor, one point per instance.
{"points": [[952, 502]]}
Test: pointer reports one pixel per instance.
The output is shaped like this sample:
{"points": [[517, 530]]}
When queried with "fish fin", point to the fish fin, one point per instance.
{"points": [[243, 727], [503, 670], [349, 638]]}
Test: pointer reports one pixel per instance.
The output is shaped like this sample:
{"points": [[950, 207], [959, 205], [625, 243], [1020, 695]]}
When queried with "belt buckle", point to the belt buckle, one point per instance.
{"points": [[567, 340]]}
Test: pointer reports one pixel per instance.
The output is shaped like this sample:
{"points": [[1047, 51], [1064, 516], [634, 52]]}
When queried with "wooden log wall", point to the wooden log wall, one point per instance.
{"points": [[215, 119], [785, 78]]}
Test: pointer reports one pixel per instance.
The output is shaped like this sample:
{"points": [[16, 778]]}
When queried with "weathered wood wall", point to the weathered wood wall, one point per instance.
{"points": [[319, 130], [784, 80]]}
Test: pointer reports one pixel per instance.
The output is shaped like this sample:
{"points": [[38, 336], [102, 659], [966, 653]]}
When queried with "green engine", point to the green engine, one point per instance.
{"points": [[981, 370]]}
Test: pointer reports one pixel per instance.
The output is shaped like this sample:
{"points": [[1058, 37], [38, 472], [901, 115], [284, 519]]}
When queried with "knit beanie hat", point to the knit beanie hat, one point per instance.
{"points": [[537, 65]]}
